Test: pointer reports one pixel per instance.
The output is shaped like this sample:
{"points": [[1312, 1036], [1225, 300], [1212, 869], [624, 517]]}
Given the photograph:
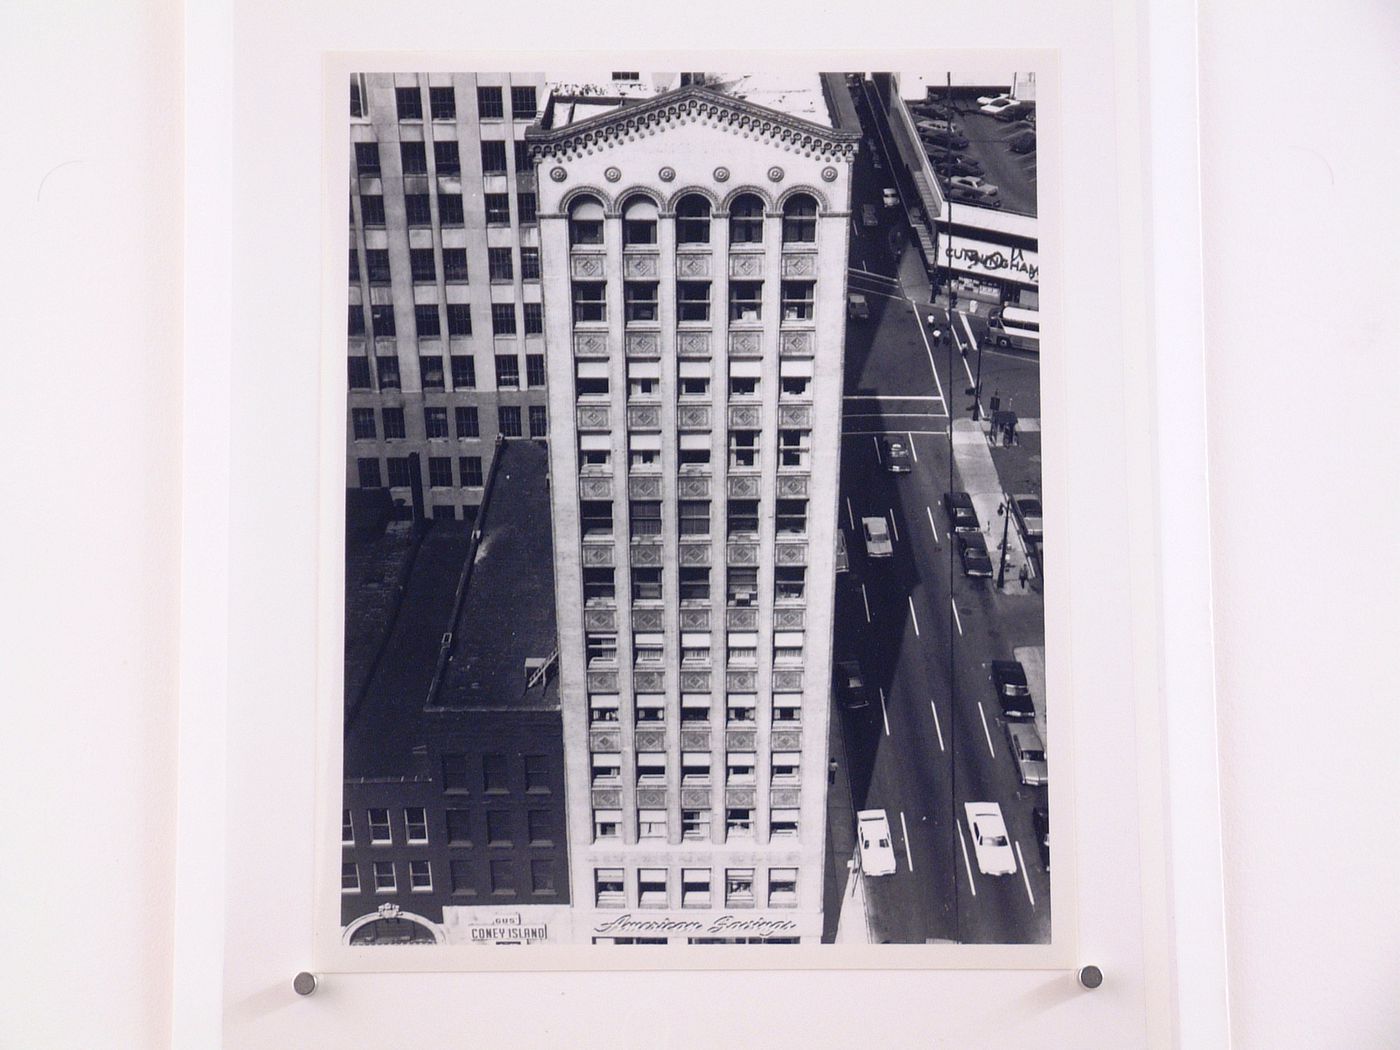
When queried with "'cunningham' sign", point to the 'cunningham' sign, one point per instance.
{"points": [[990, 260], [722, 925]]}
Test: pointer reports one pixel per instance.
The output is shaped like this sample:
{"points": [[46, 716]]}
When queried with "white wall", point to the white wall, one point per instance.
{"points": [[90, 411], [1299, 195], [1303, 349]]}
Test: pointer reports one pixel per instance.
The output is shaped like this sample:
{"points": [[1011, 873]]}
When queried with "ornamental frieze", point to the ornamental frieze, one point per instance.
{"points": [[741, 619], [647, 619], [591, 344], [639, 266], [604, 740], [801, 265], [599, 620], [743, 486], [643, 344], [693, 797], [787, 619], [695, 681], [785, 798], [745, 344], [740, 739], [639, 486], [649, 681], [787, 681], [607, 798], [693, 417], [587, 267], [651, 797], [792, 554], [595, 488], [593, 417], [651, 740], [743, 554], [695, 619], [794, 415], [646, 553], [644, 417], [744, 417], [602, 681], [792, 485], [693, 344], [693, 486], [746, 264], [741, 681], [692, 264], [739, 797], [795, 344], [787, 740], [695, 554], [597, 555]]}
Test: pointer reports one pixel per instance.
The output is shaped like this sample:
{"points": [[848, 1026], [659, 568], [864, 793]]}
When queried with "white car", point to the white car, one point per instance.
{"points": [[989, 839], [997, 104], [987, 100], [876, 847], [974, 182], [890, 197], [877, 537]]}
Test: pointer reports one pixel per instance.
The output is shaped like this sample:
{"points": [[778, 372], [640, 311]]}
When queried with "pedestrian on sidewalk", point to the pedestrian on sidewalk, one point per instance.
{"points": [[1025, 575]]}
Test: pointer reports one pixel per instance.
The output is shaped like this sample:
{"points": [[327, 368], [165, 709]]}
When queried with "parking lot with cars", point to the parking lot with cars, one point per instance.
{"points": [[947, 753], [981, 147]]}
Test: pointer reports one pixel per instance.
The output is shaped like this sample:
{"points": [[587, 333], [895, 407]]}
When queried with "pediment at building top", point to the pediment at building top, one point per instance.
{"points": [[692, 105]]}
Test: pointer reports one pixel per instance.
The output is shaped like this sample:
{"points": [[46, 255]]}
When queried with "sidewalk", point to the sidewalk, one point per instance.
{"points": [[1032, 658], [980, 480], [844, 919]]}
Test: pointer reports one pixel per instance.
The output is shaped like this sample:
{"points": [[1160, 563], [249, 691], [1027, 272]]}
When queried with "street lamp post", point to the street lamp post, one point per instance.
{"points": [[1005, 512]]}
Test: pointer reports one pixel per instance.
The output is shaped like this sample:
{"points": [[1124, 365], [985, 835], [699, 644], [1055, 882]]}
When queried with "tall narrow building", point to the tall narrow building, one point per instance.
{"points": [[694, 253], [445, 325]]}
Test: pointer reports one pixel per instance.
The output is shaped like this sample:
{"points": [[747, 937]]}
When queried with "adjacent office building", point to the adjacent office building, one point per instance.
{"points": [[693, 249], [445, 319]]}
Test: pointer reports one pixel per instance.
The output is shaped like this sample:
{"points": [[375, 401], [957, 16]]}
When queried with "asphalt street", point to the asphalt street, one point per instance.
{"points": [[924, 633]]}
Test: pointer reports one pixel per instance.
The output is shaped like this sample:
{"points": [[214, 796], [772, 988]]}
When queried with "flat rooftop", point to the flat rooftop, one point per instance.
{"points": [[576, 98], [506, 577], [507, 614]]}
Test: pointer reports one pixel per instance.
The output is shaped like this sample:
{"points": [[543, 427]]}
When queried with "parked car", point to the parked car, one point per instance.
{"points": [[876, 846], [1028, 752], [975, 182], [1026, 509], [895, 455], [877, 537], [987, 100], [990, 841], [997, 105], [857, 306], [1013, 693], [868, 215], [1022, 142], [1016, 111], [890, 197], [962, 515], [972, 549], [944, 139], [1040, 821], [949, 164], [843, 557], [851, 689], [968, 195], [936, 109], [930, 124]]}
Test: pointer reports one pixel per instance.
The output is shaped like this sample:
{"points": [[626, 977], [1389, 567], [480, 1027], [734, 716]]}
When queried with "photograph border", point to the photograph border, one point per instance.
{"points": [[330, 953]]}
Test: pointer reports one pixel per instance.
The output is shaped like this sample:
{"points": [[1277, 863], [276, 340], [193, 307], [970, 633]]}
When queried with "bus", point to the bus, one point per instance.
{"points": [[1015, 326]]}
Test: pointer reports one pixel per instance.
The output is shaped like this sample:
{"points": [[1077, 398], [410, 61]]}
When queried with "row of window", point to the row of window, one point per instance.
{"points": [[442, 102], [592, 381], [739, 768], [652, 888], [695, 824], [649, 648], [693, 522], [447, 158], [741, 709], [418, 210], [644, 451], [423, 264], [467, 417], [600, 585], [495, 774], [505, 875], [501, 825], [431, 376], [693, 219], [641, 303], [428, 317]]}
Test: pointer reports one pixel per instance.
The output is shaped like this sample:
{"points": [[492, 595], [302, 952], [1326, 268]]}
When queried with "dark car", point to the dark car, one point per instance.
{"points": [[962, 515], [950, 164], [851, 689], [895, 454], [944, 139], [1022, 143], [972, 548], [933, 110], [1040, 820], [1014, 695]]}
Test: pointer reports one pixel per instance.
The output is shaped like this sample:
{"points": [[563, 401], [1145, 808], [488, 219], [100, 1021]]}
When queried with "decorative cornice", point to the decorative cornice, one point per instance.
{"points": [[689, 105]]}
